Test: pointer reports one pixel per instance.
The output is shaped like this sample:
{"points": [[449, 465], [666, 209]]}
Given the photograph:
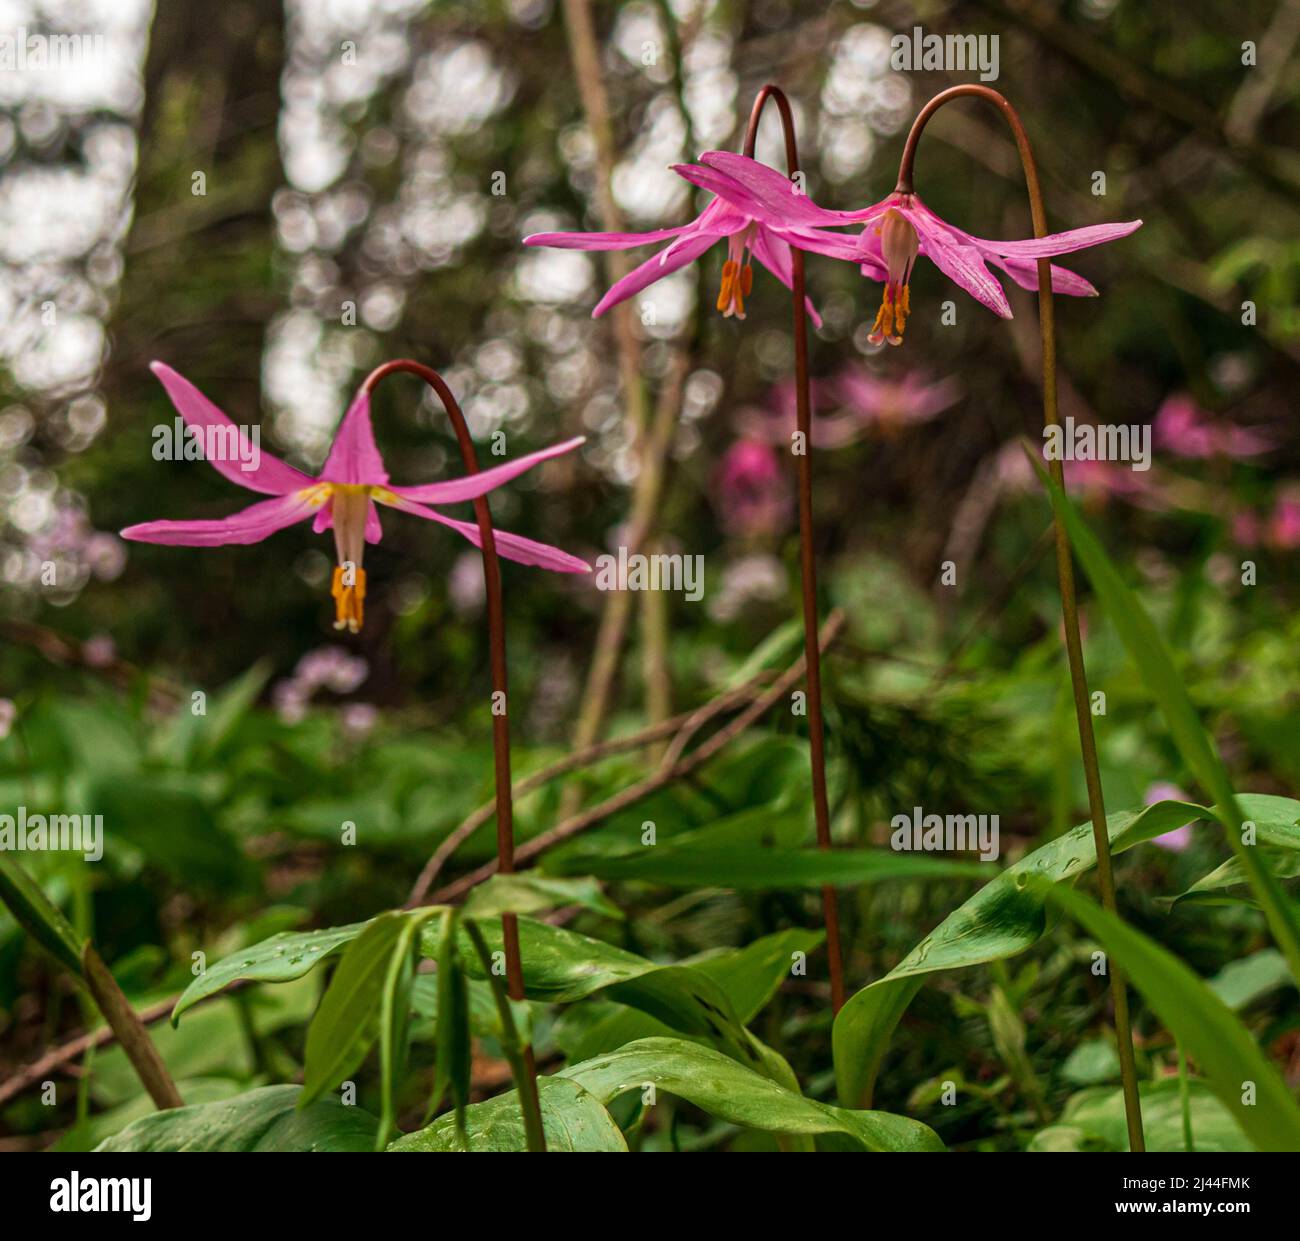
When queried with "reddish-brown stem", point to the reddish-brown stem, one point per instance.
{"points": [[500, 718], [1064, 563], [807, 553]]}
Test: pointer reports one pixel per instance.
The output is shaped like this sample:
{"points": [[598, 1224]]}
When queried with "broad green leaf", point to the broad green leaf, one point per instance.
{"points": [[394, 1025], [453, 1052], [1155, 665], [693, 866], [733, 1093], [1003, 918], [572, 1119], [530, 893], [749, 976], [351, 1012], [1221, 1046], [34, 912], [281, 958], [267, 1119], [1217, 888], [560, 966], [1240, 983], [1095, 1117]]}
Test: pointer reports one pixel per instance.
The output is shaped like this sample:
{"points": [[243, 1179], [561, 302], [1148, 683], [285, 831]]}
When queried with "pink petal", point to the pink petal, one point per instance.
{"points": [[605, 241], [272, 476], [773, 197], [473, 485], [1025, 273], [511, 546], [353, 456], [656, 267], [374, 531], [774, 254], [249, 525], [834, 245], [961, 263], [1058, 243]]}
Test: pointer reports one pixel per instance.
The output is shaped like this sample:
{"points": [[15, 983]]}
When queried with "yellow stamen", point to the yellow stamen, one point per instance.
{"points": [[349, 591]]}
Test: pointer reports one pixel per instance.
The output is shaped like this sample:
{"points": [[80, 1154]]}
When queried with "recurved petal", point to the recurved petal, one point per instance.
{"points": [[474, 485], [271, 477], [1058, 243], [511, 546], [773, 197], [1025, 273], [960, 262], [354, 456], [605, 241], [249, 525], [656, 267]]}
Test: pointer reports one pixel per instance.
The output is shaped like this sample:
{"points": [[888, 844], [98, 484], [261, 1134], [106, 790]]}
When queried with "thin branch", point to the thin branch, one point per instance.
{"points": [[665, 775], [571, 762]]}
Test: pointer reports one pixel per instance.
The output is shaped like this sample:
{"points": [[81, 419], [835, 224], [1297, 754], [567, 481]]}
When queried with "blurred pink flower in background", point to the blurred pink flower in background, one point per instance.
{"points": [[8, 713], [863, 402], [1092, 481], [752, 492], [895, 402], [327, 667], [1284, 526], [1183, 428], [1179, 838]]}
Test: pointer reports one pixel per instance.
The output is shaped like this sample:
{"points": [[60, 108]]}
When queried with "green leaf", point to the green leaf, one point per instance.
{"points": [[749, 976], [1155, 665], [530, 893], [693, 866], [572, 1119], [281, 958], [1096, 1117], [352, 1011], [453, 1055], [1222, 1047], [1240, 983], [1216, 888], [267, 1119], [739, 1096], [560, 966], [1003, 918], [34, 912]]}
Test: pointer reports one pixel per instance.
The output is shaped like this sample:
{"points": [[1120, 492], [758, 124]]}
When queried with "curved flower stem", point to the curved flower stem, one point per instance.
{"points": [[500, 718], [1064, 564], [807, 555]]}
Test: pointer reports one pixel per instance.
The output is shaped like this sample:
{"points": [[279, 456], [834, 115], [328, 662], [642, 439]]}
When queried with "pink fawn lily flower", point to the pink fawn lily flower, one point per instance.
{"points": [[761, 223], [343, 497], [901, 227]]}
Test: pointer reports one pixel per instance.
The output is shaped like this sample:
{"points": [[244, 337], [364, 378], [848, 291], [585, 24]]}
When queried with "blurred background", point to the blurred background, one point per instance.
{"points": [[274, 198]]}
